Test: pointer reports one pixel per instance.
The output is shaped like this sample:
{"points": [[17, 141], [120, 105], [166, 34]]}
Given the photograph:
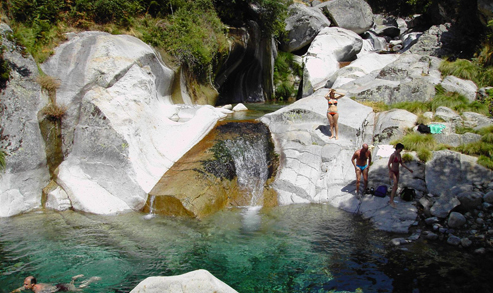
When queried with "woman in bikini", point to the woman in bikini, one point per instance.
{"points": [[393, 165], [332, 114]]}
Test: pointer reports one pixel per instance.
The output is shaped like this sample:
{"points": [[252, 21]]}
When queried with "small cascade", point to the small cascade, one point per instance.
{"points": [[151, 209], [251, 165]]}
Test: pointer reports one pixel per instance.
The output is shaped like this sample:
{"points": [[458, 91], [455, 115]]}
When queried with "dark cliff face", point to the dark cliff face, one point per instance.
{"points": [[246, 74]]}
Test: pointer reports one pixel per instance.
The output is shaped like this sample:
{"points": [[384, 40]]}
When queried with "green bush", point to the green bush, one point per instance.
{"points": [[285, 71], [413, 107], [483, 148], [416, 141], [4, 69], [2, 159], [460, 68], [424, 154]]}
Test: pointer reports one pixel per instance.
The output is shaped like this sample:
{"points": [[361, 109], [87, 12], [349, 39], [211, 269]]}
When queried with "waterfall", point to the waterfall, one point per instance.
{"points": [[151, 210], [251, 165]]}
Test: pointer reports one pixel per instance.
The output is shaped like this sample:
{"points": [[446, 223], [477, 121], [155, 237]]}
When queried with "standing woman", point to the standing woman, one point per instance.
{"points": [[393, 164], [332, 114]]}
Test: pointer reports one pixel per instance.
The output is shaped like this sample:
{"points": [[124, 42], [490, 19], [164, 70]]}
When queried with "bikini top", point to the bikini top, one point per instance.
{"points": [[396, 159], [332, 102]]}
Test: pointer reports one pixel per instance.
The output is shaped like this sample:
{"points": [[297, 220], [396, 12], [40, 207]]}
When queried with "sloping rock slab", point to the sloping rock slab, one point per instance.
{"points": [[386, 218]]}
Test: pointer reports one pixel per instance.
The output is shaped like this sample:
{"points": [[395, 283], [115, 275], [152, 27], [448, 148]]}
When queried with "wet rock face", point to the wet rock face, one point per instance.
{"points": [[246, 76], [209, 177]]}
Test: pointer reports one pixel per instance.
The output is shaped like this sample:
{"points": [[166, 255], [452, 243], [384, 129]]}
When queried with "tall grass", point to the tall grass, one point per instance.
{"points": [[460, 68], [422, 144], [483, 148]]}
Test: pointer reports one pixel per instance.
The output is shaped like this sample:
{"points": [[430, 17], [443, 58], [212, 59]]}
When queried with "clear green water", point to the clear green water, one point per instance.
{"points": [[289, 248], [256, 110], [297, 248]]}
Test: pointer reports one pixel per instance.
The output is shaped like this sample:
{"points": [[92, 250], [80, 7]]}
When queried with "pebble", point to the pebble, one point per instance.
{"points": [[453, 240], [465, 242]]}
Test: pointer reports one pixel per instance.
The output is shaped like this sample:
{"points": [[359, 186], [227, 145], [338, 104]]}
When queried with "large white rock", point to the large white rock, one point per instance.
{"points": [[464, 87], [331, 46], [411, 77], [393, 124], [362, 66], [447, 169], [315, 168], [119, 134], [199, 281], [354, 15], [302, 25]]}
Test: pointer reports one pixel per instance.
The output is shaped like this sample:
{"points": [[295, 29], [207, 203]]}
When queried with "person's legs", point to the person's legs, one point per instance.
{"points": [[87, 282], [336, 125], [395, 177], [331, 122], [365, 177], [358, 178]]}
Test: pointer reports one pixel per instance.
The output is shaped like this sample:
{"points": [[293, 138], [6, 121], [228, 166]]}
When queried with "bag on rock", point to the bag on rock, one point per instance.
{"points": [[424, 128], [408, 194], [381, 191]]}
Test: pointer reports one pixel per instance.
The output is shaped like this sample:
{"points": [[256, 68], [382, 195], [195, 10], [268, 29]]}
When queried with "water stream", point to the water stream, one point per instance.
{"points": [[251, 166]]}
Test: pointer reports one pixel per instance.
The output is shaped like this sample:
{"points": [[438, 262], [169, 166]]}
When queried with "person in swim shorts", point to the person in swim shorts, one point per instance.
{"points": [[361, 161], [30, 283], [393, 165], [332, 96]]}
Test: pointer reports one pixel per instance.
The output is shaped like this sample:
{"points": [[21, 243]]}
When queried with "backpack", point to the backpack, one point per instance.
{"points": [[424, 128], [408, 194], [381, 191]]}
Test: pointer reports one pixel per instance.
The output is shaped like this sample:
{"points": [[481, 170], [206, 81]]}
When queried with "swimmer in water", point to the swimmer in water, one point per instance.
{"points": [[30, 283]]}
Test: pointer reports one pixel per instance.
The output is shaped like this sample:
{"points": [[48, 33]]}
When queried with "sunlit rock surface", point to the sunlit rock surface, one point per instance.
{"points": [[331, 46], [119, 134], [354, 15], [302, 25]]}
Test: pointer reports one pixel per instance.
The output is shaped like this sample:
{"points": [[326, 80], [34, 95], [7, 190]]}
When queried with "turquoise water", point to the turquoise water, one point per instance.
{"points": [[297, 248], [256, 110]]}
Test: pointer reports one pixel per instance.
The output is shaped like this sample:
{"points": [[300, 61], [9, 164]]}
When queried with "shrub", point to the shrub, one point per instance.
{"points": [[285, 71], [48, 83], [423, 144], [3, 163], [424, 154], [423, 120], [485, 162], [55, 112], [376, 106], [415, 141], [407, 157], [415, 107], [4, 69], [483, 148], [460, 68]]}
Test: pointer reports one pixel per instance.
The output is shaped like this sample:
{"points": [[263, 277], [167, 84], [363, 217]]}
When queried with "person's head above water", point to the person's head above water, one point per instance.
{"points": [[29, 282]]}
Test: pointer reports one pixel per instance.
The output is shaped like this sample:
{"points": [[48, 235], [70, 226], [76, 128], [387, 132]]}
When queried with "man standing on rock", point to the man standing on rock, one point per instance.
{"points": [[361, 161]]}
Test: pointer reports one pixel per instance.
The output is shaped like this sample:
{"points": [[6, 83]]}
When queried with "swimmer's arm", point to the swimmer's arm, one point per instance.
{"points": [[18, 290]]}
